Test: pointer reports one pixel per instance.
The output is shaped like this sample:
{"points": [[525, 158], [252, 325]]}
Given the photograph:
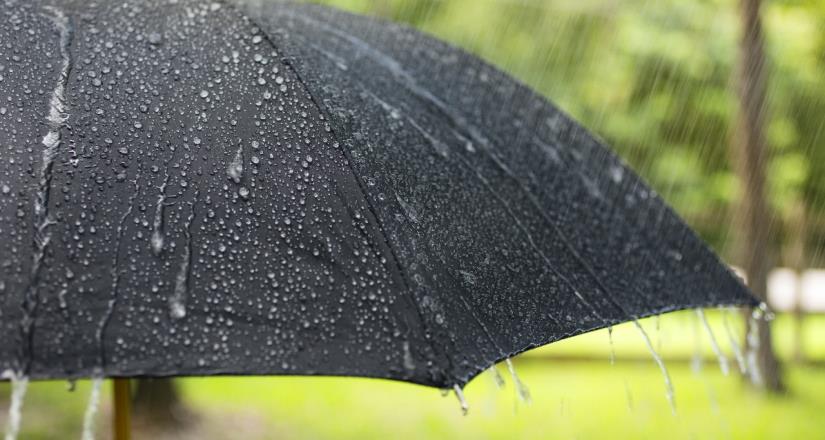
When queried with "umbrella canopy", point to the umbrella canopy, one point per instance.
{"points": [[195, 188]]}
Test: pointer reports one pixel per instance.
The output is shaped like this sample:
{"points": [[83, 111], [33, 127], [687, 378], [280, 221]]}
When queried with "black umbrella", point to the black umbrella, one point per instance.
{"points": [[189, 190]]}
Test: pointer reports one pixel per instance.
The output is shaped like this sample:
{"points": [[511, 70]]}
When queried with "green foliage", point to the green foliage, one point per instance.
{"points": [[655, 79]]}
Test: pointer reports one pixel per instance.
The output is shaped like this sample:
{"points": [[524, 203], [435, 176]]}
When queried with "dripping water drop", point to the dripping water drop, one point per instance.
{"points": [[465, 408], [521, 389], [496, 376]]}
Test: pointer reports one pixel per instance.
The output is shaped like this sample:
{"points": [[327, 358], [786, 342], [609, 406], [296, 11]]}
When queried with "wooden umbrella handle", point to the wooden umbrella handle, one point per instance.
{"points": [[122, 409]]}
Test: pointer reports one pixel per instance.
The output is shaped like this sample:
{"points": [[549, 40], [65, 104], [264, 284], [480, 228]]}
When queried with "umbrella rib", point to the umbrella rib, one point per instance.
{"points": [[528, 236], [405, 79], [501, 201], [441, 151], [459, 122], [362, 188]]}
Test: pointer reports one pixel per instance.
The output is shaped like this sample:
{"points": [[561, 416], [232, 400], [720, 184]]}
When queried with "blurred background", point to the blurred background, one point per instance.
{"points": [[722, 110]]}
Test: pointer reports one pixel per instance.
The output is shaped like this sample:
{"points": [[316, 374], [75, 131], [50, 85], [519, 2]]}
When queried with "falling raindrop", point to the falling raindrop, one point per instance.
{"points": [[723, 360]]}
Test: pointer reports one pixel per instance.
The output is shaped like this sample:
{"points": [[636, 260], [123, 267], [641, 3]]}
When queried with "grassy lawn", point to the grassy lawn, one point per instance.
{"points": [[571, 399]]}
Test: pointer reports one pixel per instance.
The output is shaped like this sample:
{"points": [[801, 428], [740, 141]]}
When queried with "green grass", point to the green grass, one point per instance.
{"points": [[579, 400]]}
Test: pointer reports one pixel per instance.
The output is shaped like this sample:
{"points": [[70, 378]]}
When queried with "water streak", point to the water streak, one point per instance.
{"points": [[629, 397], [521, 389], [157, 239], [737, 350], [235, 168], [461, 400], [498, 379], [753, 347], [723, 360], [177, 302], [91, 409], [55, 120], [114, 271], [671, 395], [19, 385]]}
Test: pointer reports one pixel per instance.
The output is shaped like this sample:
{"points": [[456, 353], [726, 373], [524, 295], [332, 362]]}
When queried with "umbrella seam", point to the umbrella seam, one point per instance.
{"points": [[402, 273]]}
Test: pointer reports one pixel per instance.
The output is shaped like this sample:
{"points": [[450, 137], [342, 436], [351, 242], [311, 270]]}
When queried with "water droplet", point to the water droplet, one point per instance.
{"points": [[155, 38], [235, 169]]}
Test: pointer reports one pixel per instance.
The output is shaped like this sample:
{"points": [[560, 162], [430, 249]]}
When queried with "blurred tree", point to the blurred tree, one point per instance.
{"points": [[157, 403], [750, 158]]}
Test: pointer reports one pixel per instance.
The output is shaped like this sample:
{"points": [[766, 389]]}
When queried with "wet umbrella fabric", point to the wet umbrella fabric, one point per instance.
{"points": [[195, 188]]}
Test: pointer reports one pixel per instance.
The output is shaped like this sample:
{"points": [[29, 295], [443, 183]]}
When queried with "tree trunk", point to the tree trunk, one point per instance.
{"points": [[158, 404], [749, 153]]}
